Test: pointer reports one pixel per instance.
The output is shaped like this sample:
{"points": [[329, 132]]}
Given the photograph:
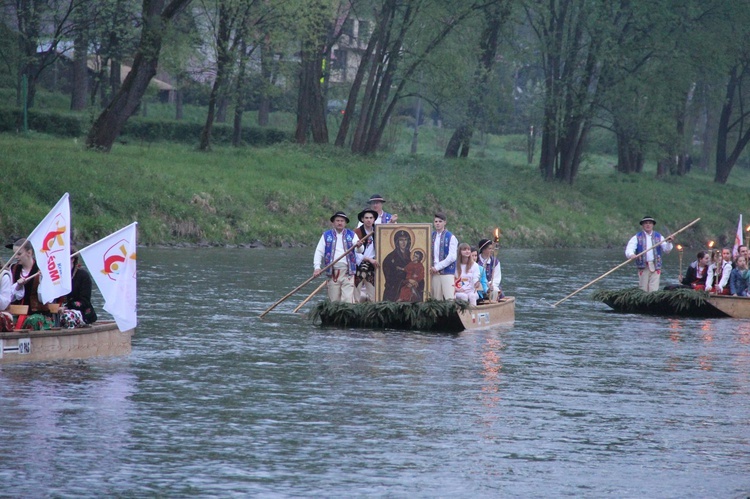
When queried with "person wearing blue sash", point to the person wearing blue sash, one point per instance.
{"points": [[334, 243], [649, 263], [444, 251], [376, 203]]}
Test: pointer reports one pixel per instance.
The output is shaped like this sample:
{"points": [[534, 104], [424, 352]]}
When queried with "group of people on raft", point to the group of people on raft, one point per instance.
{"points": [[458, 271], [716, 271], [19, 285]]}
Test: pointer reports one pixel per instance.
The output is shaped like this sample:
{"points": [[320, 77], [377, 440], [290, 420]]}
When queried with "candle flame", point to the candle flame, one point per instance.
{"points": [[497, 234], [710, 244], [679, 247], [747, 229]]}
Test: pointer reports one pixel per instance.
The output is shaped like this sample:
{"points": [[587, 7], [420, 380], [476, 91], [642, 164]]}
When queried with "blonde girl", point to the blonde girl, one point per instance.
{"points": [[467, 275]]}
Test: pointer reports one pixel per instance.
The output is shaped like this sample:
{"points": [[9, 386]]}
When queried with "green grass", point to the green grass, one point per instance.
{"points": [[284, 195]]}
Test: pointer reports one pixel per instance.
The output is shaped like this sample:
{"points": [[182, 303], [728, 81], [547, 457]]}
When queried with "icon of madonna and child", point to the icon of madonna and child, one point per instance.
{"points": [[404, 268]]}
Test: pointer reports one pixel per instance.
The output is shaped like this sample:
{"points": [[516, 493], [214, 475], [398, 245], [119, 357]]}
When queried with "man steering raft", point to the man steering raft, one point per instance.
{"points": [[333, 244], [648, 262]]}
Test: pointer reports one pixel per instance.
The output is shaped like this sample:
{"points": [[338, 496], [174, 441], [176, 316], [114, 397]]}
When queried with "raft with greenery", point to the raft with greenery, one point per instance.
{"points": [[431, 315], [677, 302]]}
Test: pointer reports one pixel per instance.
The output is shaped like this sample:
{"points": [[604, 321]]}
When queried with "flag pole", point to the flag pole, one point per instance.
{"points": [[623, 264]]}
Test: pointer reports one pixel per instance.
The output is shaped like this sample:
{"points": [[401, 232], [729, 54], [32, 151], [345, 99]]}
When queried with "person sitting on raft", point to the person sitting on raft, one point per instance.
{"points": [[696, 274], [719, 273], [481, 286], [467, 275], [738, 280]]}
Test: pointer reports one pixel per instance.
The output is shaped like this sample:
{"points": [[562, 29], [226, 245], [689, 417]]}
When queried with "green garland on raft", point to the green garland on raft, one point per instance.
{"points": [[677, 301], [425, 316]]}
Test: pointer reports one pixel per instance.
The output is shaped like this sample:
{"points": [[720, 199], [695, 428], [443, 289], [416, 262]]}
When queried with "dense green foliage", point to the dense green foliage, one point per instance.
{"points": [[427, 316], [683, 302], [284, 194], [68, 124]]}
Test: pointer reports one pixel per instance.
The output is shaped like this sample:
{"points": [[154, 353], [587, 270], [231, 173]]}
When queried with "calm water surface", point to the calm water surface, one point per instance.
{"points": [[570, 401]]}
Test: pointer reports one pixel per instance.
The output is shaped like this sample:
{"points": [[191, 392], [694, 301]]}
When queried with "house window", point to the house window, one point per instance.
{"points": [[339, 59], [348, 28]]}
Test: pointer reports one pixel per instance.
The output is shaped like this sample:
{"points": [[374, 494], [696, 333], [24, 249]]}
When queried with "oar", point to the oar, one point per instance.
{"points": [[322, 284], [623, 264], [314, 276]]}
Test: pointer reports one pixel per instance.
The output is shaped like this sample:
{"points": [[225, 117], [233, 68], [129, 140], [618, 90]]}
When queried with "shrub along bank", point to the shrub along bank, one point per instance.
{"points": [[284, 194]]}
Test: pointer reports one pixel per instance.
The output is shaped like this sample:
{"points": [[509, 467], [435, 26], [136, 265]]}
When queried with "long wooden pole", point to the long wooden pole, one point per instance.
{"points": [[302, 304], [314, 276], [622, 264]]}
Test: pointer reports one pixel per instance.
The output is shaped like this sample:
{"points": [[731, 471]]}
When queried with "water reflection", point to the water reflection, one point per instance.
{"points": [[214, 402]]}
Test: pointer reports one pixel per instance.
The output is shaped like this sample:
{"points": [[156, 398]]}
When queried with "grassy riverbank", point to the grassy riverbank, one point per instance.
{"points": [[283, 195]]}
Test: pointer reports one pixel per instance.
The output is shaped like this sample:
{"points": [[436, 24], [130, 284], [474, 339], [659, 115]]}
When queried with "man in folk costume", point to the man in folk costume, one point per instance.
{"points": [[376, 204], [648, 264], [444, 251], [334, 243], [492, 268], [364, 280]]}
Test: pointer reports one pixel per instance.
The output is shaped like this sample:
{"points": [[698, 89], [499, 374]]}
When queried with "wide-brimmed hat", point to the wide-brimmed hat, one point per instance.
{"points": [[362, 214], [376, 197], [648, 219], [15, 241], [482, 244], [340, 214]]}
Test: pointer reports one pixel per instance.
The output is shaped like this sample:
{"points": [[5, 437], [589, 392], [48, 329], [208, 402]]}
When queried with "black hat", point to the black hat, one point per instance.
{"points": [[376, 197], [340, 214], [15, 241], [367, 210], [648, 219], [483, 243]]}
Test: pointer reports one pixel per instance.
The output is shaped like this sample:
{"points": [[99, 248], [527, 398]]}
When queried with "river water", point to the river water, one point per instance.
{"points": [[572, 401]]}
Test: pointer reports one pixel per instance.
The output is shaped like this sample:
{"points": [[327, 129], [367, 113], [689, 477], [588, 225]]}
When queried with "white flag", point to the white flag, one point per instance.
{"points": [[112, 264], [51, 242], [737, 238]]}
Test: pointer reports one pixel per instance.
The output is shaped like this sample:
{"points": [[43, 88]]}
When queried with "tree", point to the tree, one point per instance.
{"points": [[41, 26], [106, 128], [495, 16], [405, 35]]}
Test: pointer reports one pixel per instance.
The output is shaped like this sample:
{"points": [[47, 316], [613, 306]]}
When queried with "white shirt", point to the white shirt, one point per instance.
{"points": [[497, 273], [452, 252], [369, 250], [6, 289], [726, 271], [469, 279]]}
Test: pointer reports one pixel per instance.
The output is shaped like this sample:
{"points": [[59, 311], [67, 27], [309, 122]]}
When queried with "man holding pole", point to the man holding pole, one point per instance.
{"points": [[646, 249], [333, 244]]}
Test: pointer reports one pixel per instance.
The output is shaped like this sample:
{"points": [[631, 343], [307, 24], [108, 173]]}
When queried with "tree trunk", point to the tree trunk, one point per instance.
{"points": [[80, 74], [310, 107], [108, 125], [222, 63], [726, 159], [266, 61], [178, 111], [496, 14]]}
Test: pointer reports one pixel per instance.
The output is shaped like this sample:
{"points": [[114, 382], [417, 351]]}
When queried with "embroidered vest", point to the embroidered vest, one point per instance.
{"points": [[330, 239], [445, 246], [489, 267], [385, 219], [360, 231], [640, 262]]}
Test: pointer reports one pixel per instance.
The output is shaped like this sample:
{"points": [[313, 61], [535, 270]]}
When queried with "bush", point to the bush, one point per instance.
{"points": [[75, 125], [177, 131], [62, 125]]}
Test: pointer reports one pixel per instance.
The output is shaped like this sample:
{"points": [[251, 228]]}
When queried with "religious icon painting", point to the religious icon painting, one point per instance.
{"points": [[404, 253]]}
